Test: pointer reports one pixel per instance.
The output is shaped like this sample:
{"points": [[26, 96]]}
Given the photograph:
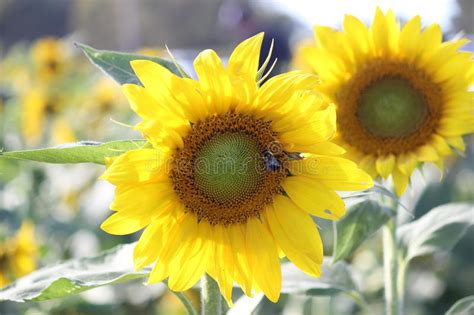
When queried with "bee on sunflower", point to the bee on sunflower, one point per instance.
{"points": [[18, 255], [231, 175], [402, 94]]}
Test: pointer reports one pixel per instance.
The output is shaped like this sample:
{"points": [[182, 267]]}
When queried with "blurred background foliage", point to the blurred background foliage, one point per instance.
{"points": [[50, 94]]}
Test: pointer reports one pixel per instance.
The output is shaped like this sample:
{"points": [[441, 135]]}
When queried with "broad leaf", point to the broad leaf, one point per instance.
{"points": [[335, 278], [246, 305], [360, 222], [117, 64], [463, 306], [79, 152], [75, 276], [440, 229]]}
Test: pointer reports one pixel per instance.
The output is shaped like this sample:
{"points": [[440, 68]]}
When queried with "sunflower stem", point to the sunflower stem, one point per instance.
{"points": [[210, 296], [334, 245], [390, 259], [402, 274], [190, 309]]}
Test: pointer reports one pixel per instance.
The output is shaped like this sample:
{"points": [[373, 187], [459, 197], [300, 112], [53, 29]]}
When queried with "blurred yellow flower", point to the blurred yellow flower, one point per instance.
{"points": [[49, 57], [62, 131], [106, 95], [223, 188], [39, 107], [18, 255], [152, 51], [401, 94]]}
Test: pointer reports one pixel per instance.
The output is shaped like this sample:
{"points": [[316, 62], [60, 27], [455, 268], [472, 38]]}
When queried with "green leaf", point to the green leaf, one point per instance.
{"points": [[117, 64], [335, 278], [463, 306], [440, 229], [75, 276], [360, 222], [79, 152]]}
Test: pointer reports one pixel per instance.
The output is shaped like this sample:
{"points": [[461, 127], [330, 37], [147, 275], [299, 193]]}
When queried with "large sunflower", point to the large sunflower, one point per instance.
{"points": [[224, 187], [401, 94]]}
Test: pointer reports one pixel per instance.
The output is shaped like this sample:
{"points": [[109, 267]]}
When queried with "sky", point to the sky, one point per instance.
{"points": [[331, 12]]}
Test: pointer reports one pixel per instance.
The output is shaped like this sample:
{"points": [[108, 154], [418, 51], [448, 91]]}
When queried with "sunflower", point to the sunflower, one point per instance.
{"points": [[18, 255], [49, 57], [231, 174], [40, 107], [401, 94]]}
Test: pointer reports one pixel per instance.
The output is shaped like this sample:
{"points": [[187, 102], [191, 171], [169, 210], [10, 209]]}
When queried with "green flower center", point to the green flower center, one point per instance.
{"points": [[229, 167], [391, 107]]}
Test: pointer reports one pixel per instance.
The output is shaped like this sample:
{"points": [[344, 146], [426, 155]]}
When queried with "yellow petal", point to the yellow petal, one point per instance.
{"points": [[296, 234], [323, 148], [241, 270], [400, 181], [409, 37], [456, 142], [406, 163], [155, 236], [385, 164], [263, 259], [320, 127], [461, 60], [147, 199], [445, 52], [167, 254], [215, 84], [335, 173], [380, 33], [451, 127], [245, 57], [358, 36], [149, 245], [331, 41], [189, 272], [427, 153], [122, 223], [157, 81], [157, 119], [429, 42], [141, 165], [313, 197], [367, 163], [221, 265], [279, 89], [440, 145]]}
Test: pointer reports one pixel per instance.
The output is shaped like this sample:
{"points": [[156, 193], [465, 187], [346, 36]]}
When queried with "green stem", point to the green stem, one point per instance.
{"points": [[390, 259], [360, 301], [186, 303], [402, 275], [210, 296], [334, 245]]}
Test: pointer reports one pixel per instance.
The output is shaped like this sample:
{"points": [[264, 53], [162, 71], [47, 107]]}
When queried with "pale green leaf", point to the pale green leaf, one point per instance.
{"points": [[75, 276], [360, 222], [440, 229], [464, 306], [117, 64], [335, 278], [79, 152]]}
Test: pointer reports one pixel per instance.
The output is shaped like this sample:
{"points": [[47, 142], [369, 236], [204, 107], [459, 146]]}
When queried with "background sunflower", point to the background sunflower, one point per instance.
{"points": [[402, 95]]}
